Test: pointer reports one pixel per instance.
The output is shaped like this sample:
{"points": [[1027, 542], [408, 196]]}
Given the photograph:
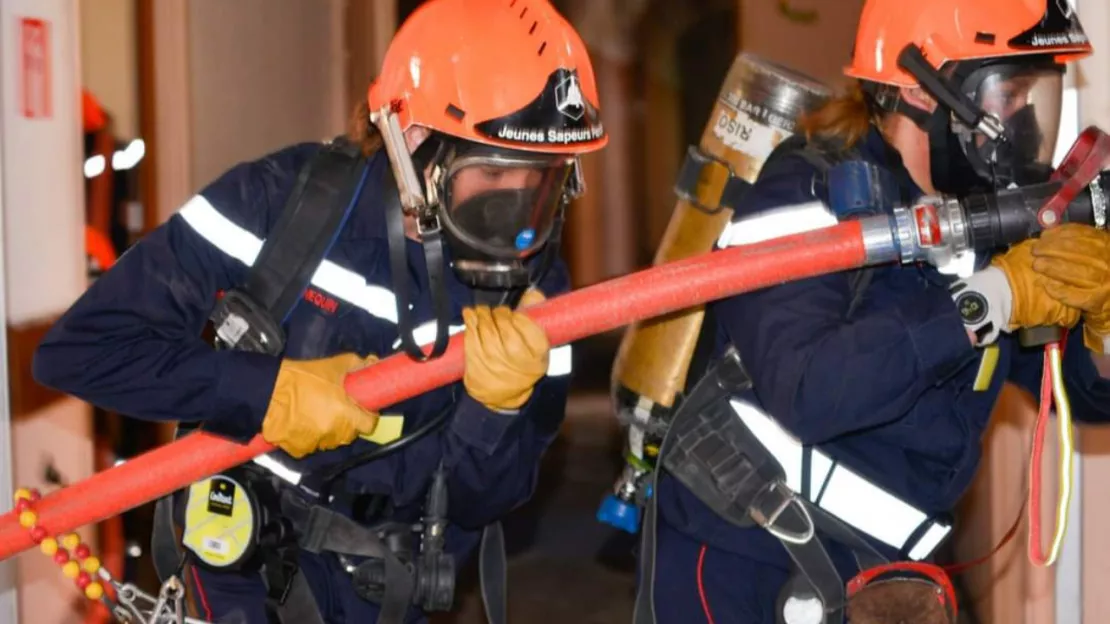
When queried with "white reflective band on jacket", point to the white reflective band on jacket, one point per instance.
{"points": [[343, 283], [245, 247], [278, 469], [777, 222], [857, 502]]}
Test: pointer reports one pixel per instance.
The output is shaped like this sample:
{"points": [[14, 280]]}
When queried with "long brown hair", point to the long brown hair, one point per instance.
{"points": [[361, 131], [844, 119]]}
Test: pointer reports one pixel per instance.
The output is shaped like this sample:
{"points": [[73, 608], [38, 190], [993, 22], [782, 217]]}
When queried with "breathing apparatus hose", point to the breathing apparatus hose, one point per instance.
{"points": [[329, 476]]}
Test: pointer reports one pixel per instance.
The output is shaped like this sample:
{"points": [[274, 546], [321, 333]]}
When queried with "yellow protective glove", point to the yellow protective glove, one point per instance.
{"points": [[309, 409], [506, 354], [1031, 304], [1074, 261]]}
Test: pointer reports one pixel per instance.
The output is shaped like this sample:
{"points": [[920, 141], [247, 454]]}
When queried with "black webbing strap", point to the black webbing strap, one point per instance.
{"points": [[249, 317], [307, 227], [323, 530], [708, 182], [493, 574]]}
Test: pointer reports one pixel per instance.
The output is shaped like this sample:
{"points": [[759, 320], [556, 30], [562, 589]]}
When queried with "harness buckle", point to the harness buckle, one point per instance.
{"points": [[769, 505]]}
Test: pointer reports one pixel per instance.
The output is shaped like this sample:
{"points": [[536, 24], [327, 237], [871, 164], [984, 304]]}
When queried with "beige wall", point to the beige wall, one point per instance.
{"points": [[820, 49], [265, 73], [43, 215], [109, 68], [59, 435]]}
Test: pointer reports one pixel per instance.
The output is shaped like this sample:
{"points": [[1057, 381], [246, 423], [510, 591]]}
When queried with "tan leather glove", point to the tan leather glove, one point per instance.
{"points": [[506, 354], [1031, 304], [309, 409], [1074, 261]]}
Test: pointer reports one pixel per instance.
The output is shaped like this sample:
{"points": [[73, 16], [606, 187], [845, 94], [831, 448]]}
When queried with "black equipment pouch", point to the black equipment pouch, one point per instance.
{"points": [[712, 452]]}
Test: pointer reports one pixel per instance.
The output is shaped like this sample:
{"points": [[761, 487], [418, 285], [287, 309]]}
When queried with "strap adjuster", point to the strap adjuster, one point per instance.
{"points": [[769, 505]]}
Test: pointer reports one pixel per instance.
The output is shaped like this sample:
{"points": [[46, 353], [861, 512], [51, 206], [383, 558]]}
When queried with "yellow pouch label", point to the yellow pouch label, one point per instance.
{"points": [[389, 428], [219, 521], [986, 368]]}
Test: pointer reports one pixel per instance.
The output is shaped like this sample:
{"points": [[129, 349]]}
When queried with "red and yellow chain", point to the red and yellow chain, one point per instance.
{"points": [[76, 560]]}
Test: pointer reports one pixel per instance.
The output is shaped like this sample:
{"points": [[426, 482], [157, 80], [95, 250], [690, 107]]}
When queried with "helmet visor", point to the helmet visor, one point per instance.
{"points": [[504, 205]]}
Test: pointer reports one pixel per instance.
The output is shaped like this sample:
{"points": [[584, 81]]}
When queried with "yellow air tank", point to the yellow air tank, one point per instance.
{"points": [[757, 108]]}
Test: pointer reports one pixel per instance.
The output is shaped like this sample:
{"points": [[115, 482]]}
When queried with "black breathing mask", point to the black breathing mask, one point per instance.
{"points": [[1026, 98], [1023, 96], [493, 214], [951, 169]]}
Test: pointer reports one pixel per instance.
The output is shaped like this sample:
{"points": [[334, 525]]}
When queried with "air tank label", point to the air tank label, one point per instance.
{"points": [[760, 113], [738, 131]]}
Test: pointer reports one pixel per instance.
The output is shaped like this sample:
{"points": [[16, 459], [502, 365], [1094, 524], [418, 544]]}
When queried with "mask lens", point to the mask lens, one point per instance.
{"points": [[504, 208]]}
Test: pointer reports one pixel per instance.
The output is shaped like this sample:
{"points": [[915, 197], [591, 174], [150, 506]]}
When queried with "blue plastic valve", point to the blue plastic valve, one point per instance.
{"points": [[620, 514]]}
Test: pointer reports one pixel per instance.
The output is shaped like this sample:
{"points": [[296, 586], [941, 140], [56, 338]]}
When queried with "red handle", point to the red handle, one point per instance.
{"points": [[593, 310]]}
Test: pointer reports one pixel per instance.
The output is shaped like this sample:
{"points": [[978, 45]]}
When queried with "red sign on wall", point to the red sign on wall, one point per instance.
{"points": [[35, 96]]}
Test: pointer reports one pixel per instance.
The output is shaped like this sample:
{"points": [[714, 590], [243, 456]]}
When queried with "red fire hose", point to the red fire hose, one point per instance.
{"points": [[593, 310]]}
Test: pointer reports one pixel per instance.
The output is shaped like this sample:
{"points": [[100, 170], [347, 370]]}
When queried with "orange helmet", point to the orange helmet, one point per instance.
{"points": [[505, 73], [961, 30], [92, 115]]}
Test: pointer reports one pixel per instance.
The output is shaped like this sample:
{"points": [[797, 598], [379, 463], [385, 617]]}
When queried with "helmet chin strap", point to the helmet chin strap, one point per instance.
{"points": [[432, 242], [951, 169], [913, 61]]}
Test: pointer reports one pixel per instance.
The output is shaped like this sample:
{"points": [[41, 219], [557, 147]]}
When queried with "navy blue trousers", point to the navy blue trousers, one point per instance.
{"points": [[732, 588]]}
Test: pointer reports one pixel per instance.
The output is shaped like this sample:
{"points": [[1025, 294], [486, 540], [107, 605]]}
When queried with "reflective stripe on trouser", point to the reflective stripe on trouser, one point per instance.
{"points": [[859, 503]]}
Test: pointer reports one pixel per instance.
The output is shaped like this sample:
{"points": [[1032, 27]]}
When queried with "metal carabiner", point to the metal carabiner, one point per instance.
{"points": [[134, 606]]}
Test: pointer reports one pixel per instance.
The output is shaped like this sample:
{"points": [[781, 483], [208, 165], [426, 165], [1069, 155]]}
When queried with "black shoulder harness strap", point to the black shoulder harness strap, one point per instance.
{"points": [[249, 318], [432, 242], [825, 158], [305, 231]]}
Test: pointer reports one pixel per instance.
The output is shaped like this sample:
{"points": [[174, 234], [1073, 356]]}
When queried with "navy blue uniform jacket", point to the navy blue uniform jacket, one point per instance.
{"points": [[886, 391], [132, 343]]}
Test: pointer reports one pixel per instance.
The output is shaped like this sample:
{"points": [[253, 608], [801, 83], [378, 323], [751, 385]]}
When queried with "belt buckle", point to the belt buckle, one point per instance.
{"points": [[786, 498]]}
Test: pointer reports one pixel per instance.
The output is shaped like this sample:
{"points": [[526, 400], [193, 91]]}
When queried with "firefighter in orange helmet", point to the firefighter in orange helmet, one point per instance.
{"points": [[870, 390], [459, 165]]}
